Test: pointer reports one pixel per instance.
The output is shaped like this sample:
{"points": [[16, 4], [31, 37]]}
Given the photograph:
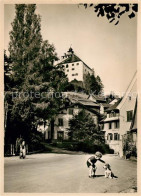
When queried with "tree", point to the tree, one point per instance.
{"points": [[7, 71], [113, 12], [111, 97], [16, 46], [33, 73], [24, 49], [93, 84], [83, 129]]}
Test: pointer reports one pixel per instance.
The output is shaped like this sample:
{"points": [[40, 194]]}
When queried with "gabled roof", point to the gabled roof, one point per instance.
{"points": [[81, 98], [71, 59], [114, 107], [106, 105], [134, 79], [99, 98], [88, 103], [112, 119], [84, 107]]}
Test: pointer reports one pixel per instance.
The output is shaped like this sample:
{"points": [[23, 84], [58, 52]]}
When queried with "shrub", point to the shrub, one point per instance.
{"points": [[88, 147]]}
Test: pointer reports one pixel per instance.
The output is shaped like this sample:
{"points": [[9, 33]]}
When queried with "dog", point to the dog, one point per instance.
{"points": [[108, 171]]}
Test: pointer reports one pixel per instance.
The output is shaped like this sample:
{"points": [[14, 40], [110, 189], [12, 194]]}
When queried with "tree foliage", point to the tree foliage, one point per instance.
{"points": [[33, 74], [113, 12], [93, 84], [83, 129], [7, 72]]}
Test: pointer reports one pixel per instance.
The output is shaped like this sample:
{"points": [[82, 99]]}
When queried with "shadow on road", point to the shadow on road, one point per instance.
{"points": [[99, 176]]}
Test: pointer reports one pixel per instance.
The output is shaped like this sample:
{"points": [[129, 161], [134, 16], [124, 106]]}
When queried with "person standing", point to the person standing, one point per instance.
{"points": [[22, 150]]}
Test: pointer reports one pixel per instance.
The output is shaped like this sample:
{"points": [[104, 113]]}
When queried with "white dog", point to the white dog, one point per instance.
{"points": [[108, 172]]}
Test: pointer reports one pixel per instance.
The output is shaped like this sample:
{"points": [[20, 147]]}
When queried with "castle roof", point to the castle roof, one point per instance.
{"points": [[71, 57]]}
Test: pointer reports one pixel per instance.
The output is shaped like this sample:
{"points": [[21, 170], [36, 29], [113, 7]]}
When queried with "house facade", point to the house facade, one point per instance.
{"points": [[119, 119], [77, 102], [111, 126], [74, 67], [126, 108], [61, 123]]}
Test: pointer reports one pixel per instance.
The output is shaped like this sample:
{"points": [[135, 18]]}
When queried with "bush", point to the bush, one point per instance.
{"points": [[84, 147]]}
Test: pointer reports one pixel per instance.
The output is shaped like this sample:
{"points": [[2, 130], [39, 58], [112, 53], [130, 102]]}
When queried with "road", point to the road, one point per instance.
{"points": [[65, 173]]}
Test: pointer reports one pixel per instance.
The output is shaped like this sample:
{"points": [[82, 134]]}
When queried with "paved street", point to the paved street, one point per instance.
{"points": [[65, 173]]}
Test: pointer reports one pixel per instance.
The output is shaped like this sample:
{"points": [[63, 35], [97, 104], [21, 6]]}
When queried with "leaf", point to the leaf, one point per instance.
{"points": [[132, 15], [126, 6], [121, 13], [135, 7], [85, 5], [91, 5], [117, 22], [112, 20], [102, 12]]}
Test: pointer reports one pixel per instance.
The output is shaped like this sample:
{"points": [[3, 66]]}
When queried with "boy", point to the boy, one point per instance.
{"points": [[91, 163]]}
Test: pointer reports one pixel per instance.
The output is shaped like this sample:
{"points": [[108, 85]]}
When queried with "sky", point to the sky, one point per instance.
{"points": [[110, 50]]}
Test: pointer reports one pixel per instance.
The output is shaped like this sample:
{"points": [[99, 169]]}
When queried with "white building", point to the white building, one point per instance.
{"points": [[111, 127], [77, 102], [126, 108], [61, 124], [74, 67], [119, 118]]}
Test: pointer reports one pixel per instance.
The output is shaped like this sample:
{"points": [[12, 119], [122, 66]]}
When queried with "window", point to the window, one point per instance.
{"points": [[110, 136], [116, 125], [129, 97], [72, 68], [102, 127], [72, 74], [67, 70], [112, 114], [60, 121], [129, 116], [77, 64], [110, 125], [76, 74], [72, 64], [70, 111], [116, 136], [67, 66]]}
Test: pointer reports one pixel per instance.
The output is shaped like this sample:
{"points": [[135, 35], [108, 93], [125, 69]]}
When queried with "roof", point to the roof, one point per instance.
{"points": [[114, 107], [111, 119], [83, 106], [99, 98], [81, 98], [129, 88], [76, 95], [88, 103], [114, 100], [106, 105], [71, 58]]}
